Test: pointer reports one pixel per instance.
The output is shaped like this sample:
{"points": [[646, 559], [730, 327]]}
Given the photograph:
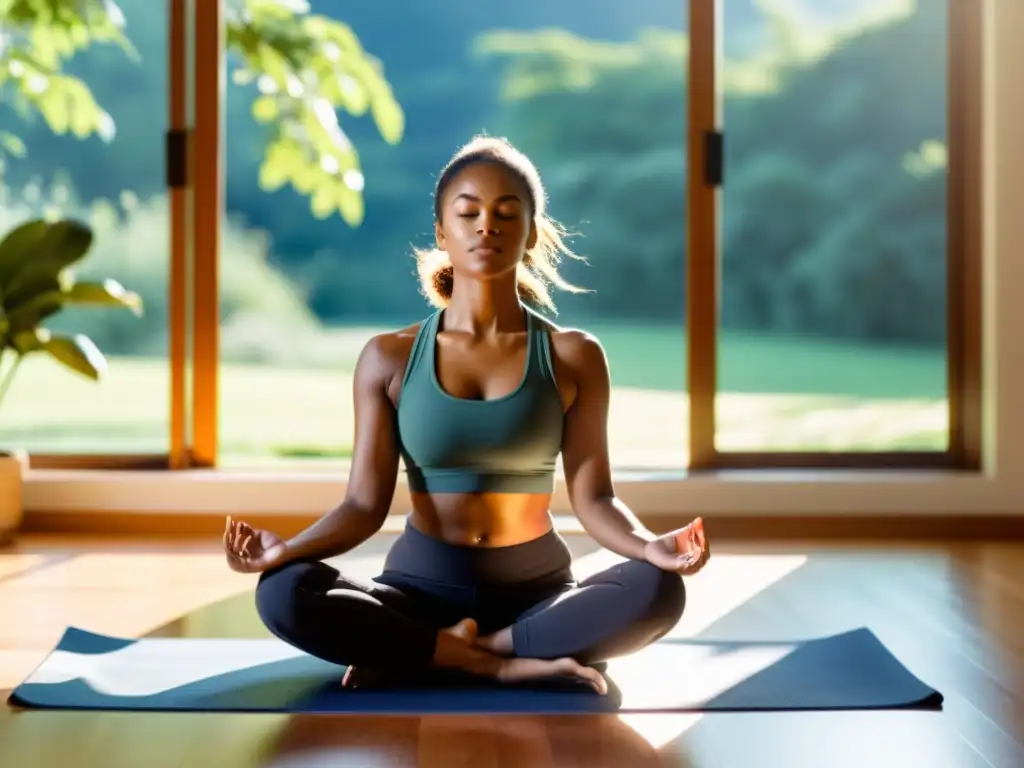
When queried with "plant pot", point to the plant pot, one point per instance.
{"points": [[12, 472]]}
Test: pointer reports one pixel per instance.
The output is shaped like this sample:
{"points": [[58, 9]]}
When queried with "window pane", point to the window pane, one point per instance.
{"points": [[833, 317], [593, 92], [93, 136]]}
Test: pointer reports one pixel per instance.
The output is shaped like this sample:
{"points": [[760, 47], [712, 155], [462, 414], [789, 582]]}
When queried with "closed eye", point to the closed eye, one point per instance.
{"points": [[500, 215]]}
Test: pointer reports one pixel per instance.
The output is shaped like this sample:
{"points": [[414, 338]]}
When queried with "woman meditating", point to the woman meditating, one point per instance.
{"points": [[478, 401]]}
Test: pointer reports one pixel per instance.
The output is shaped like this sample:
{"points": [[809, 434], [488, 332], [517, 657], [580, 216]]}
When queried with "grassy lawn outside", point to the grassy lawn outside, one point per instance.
{"points": [[777, 394]]}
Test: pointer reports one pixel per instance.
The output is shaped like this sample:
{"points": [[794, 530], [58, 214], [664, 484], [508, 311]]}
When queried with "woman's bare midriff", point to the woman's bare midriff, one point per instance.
{"points": [[482, 519]]}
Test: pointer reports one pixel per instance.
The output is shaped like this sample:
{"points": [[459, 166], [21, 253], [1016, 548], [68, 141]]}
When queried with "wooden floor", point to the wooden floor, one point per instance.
{"points": [[953, 613]]}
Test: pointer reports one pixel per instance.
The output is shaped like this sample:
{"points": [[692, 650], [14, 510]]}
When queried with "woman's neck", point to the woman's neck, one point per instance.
{"points": [[485, 307]]}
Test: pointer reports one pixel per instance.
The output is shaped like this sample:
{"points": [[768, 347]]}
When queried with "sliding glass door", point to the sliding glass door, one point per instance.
{"points": [[834, 316], [86, 100], [779, 210]]}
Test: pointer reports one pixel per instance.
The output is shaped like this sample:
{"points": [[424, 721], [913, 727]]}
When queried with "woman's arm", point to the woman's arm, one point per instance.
{"points": [[372, 478], [585, 452], [588, 472]]}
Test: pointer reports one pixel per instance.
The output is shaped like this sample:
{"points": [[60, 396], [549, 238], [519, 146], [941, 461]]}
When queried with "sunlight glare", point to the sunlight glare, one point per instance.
{"points": [[726, 583], [17, 563]]}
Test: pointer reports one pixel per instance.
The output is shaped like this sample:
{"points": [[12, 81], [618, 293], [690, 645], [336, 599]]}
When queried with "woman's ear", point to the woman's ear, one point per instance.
{"points": [[439, 235], [531, 239]]}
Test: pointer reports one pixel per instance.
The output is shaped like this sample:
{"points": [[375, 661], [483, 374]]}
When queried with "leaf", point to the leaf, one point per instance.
{"points": [[265, 109], [12, 144], [31, 340], [389, 118], [108, 293], [351, 205], [84, 113], [32, 261], [273, 174], [323, 202], [24, 239], [32, 312], [306, 178], [79, 353], [38, 280], [53, 105]]}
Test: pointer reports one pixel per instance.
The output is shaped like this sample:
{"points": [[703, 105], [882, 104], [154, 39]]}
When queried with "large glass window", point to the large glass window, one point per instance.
{"points": [[83, 111], [833, 312], [313, 263], [826, 253]]}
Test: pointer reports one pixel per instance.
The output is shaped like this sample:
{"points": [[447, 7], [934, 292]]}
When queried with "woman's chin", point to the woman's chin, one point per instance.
{"points": [[487, 268]]}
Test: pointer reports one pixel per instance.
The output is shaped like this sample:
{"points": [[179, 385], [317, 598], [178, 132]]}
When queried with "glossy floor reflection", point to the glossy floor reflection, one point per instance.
{"points": [[952, 614]]}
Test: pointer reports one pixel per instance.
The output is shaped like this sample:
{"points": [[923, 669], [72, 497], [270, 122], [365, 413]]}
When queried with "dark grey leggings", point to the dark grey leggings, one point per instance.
{"points": [[392, 620]]}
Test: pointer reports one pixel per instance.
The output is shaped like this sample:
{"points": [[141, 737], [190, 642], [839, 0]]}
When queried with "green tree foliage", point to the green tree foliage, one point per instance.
{"points": [[833, 209], [305, 66], [833, 218]]}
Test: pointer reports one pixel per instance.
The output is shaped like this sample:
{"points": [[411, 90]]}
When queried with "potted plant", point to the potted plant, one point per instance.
{"points": [[36, 283]]}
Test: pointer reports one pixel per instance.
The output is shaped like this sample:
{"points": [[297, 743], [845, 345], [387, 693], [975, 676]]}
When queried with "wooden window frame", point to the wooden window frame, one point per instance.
{"points": [[196, 204], [964, 257], [179, 143], [194, 180]]}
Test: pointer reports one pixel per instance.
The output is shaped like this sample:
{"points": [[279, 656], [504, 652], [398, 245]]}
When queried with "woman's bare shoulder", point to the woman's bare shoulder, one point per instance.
{"points": [[576, 349], [385, 354], [389, 344]]}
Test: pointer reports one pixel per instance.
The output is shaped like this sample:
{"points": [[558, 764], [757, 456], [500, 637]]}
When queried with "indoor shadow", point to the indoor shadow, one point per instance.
{"points": [[527, 740], [850, 670], [297, 683]]}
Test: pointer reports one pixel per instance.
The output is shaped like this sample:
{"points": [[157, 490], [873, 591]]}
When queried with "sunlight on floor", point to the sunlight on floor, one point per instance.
{"points": [[167, 664], [180, 584], [726, 583], [116, 593], [11, 564]]}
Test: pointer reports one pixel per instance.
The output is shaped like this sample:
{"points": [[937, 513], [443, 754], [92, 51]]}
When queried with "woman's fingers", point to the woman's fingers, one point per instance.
{"points": [[237, 537], [693, 563], [697, 532]]}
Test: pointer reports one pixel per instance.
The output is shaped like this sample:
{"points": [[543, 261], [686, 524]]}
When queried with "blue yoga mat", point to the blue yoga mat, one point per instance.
{"points": [[852, 670]]}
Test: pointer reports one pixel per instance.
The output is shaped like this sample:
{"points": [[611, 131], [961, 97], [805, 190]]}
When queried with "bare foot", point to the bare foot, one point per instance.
{"points": [[506, 670], [499, 643], [465, 630], [519, 670]]}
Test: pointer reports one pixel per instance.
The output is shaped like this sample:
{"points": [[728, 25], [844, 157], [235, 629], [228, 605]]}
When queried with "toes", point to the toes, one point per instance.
{"points": [[351, 678], [594, 678], [466, 629]]}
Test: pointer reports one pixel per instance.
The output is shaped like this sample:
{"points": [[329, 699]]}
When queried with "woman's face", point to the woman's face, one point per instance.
{"points": [[486, 223]]}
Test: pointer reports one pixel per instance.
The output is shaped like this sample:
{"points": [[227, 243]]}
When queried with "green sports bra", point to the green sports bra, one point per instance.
{"points": [[454, 445]]}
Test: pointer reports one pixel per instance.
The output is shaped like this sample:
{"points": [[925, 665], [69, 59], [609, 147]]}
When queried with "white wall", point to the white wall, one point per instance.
{"points": [[999, 490]]}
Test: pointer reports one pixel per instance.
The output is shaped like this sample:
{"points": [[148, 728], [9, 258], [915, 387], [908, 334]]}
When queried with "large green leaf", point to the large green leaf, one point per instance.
{"points": [[108, 293], [24, 238], [33, 255], [28, 315], [35, 285], [28, 341], [79, 353]]}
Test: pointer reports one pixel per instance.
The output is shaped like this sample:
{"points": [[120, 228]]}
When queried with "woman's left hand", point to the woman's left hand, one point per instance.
{"points": [[684, 551]]}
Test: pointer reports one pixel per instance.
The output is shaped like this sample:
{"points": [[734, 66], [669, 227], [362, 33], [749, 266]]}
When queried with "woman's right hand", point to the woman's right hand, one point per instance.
{"points": [[251, 550]]}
